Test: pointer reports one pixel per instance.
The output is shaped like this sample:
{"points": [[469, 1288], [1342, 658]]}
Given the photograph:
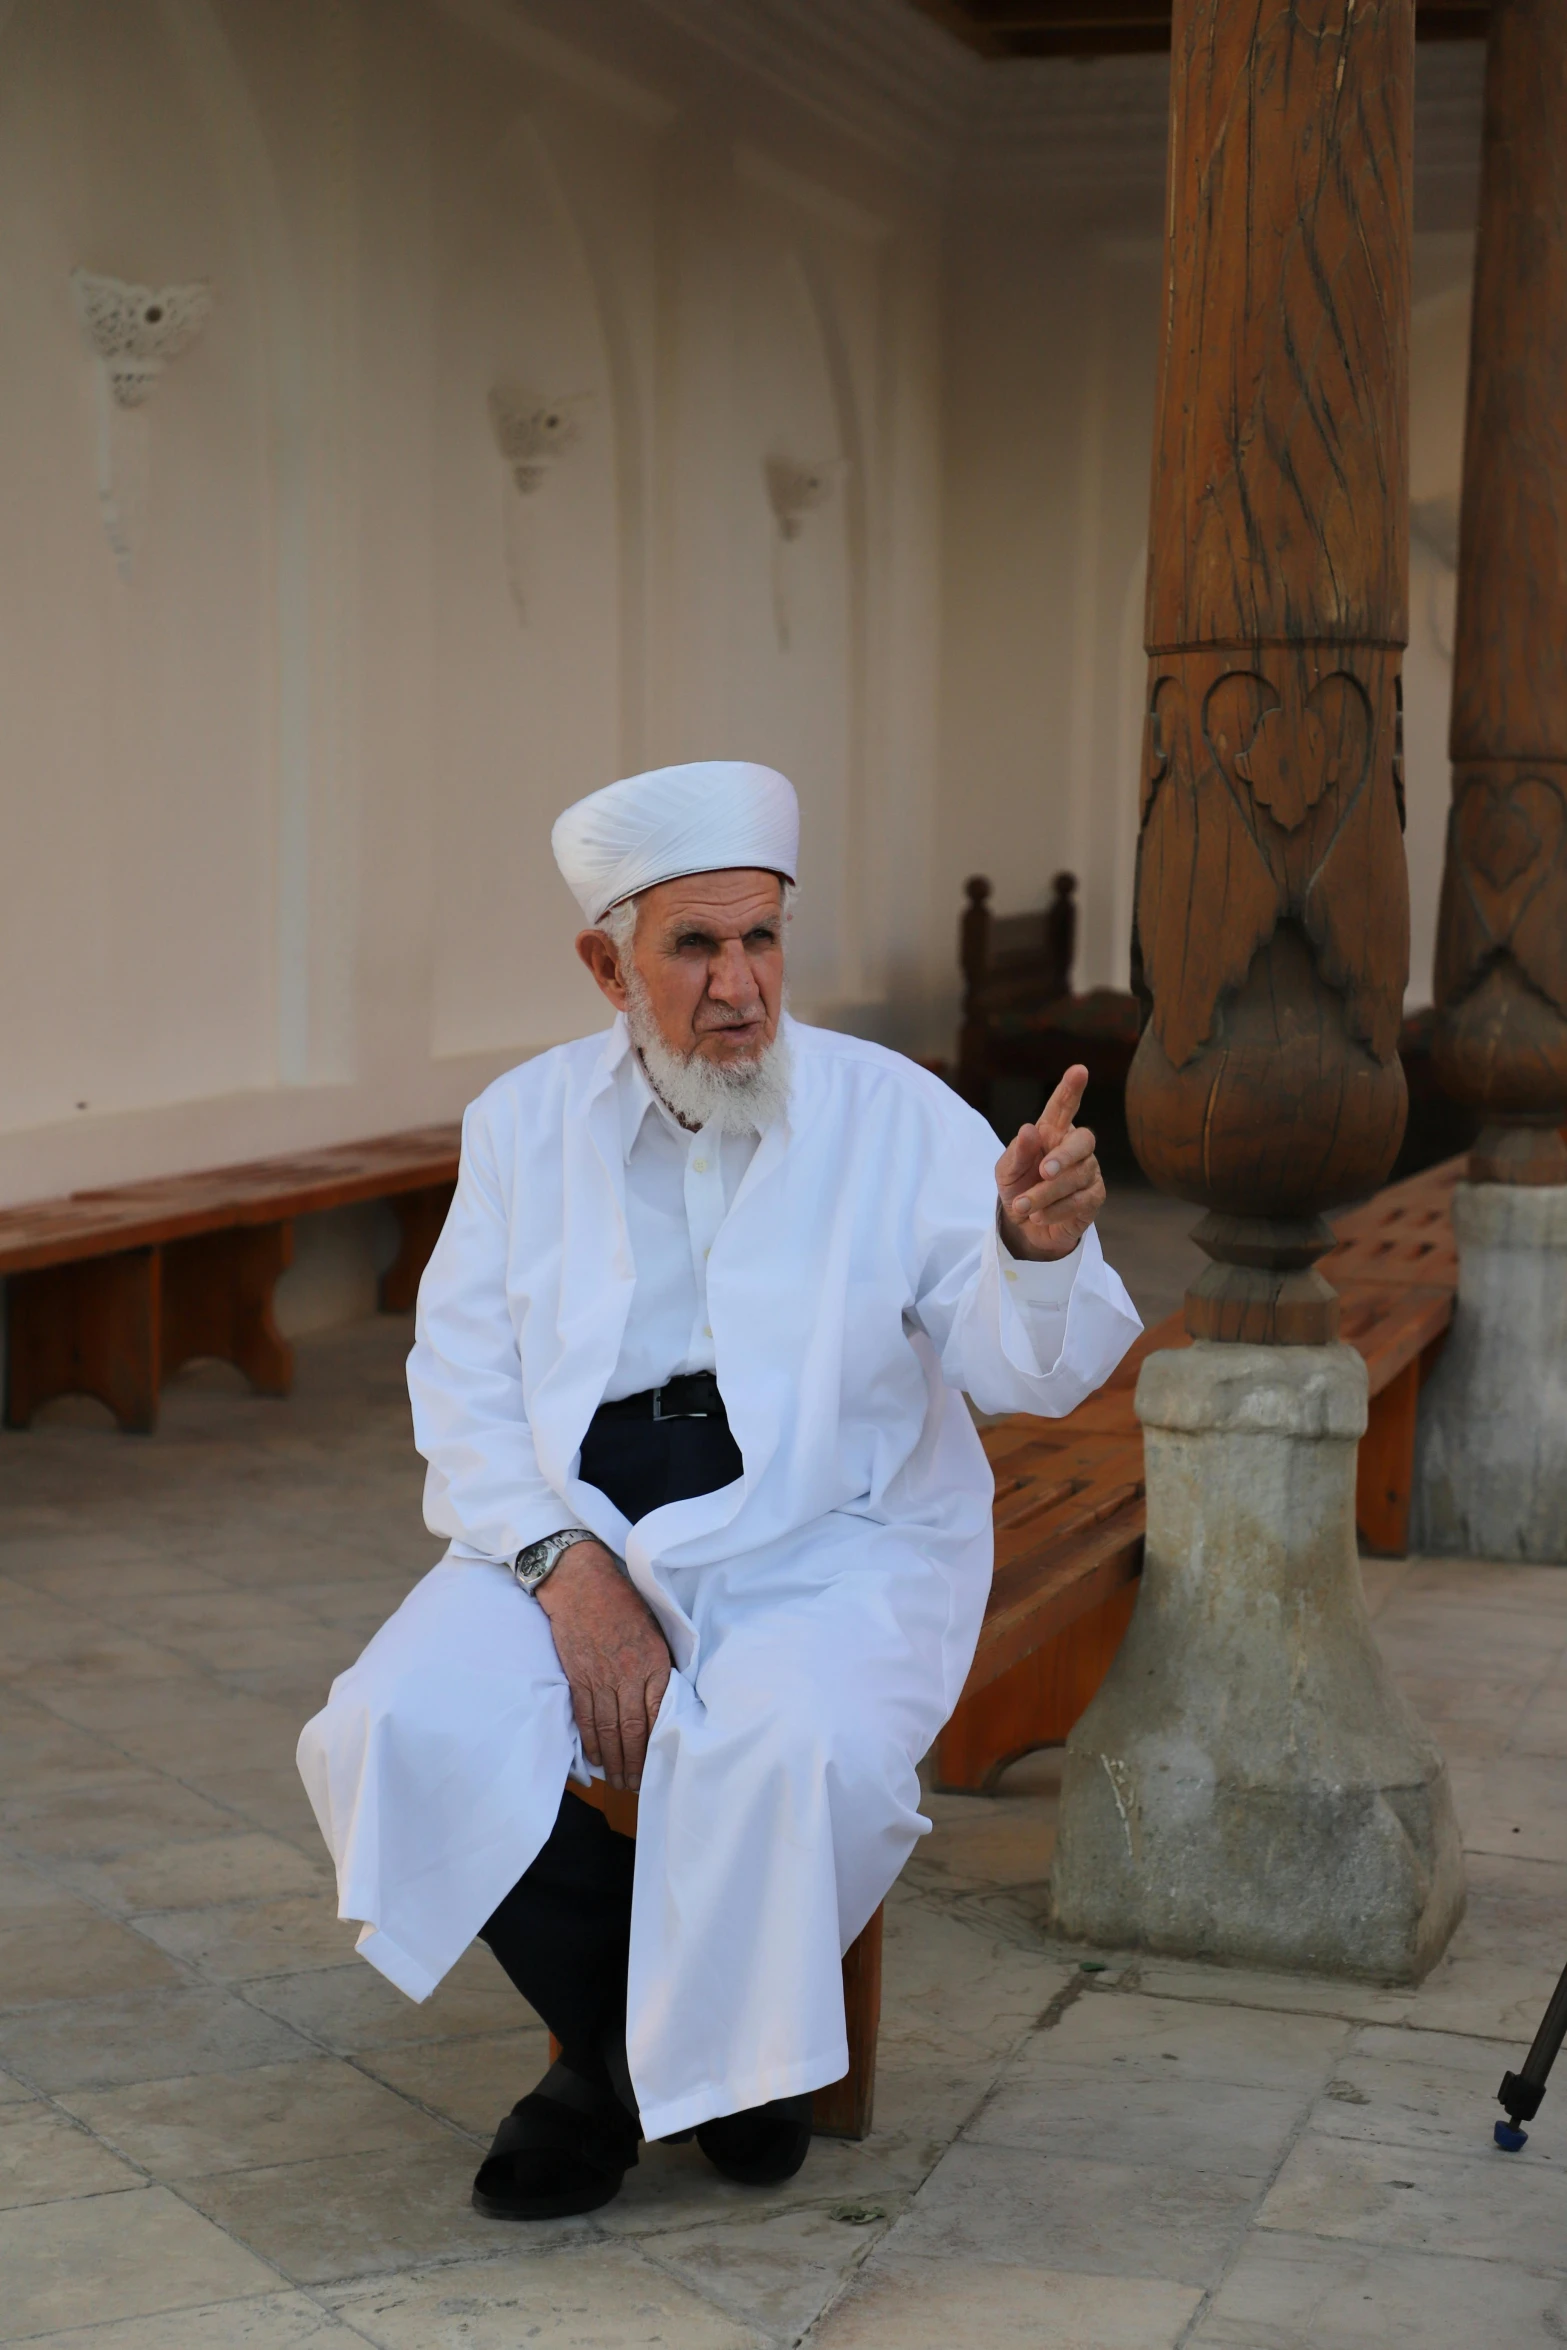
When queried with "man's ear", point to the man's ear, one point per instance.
{"points": [[597, 950]]}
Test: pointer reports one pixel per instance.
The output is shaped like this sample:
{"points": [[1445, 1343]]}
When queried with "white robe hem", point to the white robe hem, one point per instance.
{"points": [[740, 2095], [397, 1966]]}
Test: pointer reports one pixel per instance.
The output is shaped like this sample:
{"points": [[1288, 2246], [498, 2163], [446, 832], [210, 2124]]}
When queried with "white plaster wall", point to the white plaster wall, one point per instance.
{"points": [[274, 808], [138, 816]]}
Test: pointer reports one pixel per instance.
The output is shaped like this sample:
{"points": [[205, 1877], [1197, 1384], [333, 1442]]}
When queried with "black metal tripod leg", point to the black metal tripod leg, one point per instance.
{"points": [[1521, 2093]]}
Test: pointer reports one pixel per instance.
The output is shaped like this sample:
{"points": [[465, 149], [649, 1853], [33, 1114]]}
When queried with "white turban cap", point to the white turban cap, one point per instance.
{"points": [[705, 817]]}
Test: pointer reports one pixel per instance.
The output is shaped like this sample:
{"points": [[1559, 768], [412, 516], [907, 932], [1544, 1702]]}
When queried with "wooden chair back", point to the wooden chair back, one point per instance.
{"points": [[1010, 963]]}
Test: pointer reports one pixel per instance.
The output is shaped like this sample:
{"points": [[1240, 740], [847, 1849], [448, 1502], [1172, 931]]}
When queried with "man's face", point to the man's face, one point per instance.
{"points": [[709, 951]]}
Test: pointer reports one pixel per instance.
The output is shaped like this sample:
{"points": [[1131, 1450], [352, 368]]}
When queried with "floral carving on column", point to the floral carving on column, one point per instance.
{"points": [[1270, 802], [1501, 951]]}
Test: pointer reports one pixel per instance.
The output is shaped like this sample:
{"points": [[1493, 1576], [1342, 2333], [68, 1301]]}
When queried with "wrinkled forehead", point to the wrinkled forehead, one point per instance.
{"points": [[727, 903]]}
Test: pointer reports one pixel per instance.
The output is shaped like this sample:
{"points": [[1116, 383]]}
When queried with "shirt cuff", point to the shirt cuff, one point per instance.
{"points": [[1035, 1281]]}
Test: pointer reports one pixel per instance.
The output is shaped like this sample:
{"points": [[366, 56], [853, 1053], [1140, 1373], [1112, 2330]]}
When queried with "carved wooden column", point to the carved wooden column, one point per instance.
{"points": [[1248, 1783], [1272, 903], [1492, 1474]]}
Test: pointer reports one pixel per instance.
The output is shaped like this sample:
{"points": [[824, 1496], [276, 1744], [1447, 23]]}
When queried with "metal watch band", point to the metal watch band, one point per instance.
{"points": [[538, 1559]]}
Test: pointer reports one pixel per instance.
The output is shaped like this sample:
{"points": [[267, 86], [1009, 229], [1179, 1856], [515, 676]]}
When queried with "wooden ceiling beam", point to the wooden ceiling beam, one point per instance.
{"points": [[1045, 16], [1103, 28]]}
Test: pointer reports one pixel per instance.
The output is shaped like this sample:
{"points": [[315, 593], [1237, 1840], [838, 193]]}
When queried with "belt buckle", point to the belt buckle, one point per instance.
{"points": [[659, 1412]]}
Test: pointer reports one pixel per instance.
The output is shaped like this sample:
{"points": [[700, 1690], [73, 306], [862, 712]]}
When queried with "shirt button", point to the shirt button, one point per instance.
{"points": [[1011, 1276], [700, 1165], [707, 1331]]}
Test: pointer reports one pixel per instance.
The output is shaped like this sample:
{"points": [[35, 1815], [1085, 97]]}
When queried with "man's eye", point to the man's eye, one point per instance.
{"points": [[762, 938]]}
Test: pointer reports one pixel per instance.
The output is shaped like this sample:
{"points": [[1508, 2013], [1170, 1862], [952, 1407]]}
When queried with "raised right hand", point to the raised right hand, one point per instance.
{"points": [[613, 1655]]}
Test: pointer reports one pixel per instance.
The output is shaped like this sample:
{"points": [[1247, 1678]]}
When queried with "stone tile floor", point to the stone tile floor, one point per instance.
{"points": [[218, 2127]]}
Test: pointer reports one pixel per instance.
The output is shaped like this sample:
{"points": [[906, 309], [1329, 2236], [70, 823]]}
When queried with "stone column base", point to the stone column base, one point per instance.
{"points": [[1491, 1444], [1249, 1785]]}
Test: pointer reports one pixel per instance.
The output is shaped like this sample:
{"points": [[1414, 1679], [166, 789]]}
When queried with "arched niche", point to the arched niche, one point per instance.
{"points": [[796, 580], [138, 830], [527, 594]]}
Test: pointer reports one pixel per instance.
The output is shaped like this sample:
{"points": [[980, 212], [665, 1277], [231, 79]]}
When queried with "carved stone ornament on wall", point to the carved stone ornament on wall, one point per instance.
{"points": [[132, 332], [794, 490], [532, 435]]}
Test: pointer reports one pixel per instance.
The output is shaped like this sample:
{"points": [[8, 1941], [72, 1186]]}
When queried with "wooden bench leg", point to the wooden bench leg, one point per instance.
{"points": [[1385, 1467], [420, 1215], [217, 1300], [1035, 1703], [844, 2108], [91, 1328]]}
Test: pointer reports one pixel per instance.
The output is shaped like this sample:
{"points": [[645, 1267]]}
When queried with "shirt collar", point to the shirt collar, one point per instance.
{"points": [[637, 1098]]}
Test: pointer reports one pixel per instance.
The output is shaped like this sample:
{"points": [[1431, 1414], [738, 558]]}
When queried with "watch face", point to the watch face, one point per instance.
{"points": [[533, 1564]]}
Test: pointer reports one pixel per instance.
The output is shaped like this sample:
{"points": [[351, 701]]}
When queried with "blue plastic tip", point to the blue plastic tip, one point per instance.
{"points": [[1511, 2139]]}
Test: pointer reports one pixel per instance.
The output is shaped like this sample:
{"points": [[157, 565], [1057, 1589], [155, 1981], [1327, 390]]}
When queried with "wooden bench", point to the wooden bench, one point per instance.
{"points": [[111, 1291], [1069, 1510]]}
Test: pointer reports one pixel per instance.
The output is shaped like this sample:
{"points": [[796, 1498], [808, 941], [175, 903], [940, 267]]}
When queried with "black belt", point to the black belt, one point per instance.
{"points": [[693, 1396]]}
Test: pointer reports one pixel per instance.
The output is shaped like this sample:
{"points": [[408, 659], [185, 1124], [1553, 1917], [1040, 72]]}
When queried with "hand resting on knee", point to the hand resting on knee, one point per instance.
{"points": [[613, 1655]]}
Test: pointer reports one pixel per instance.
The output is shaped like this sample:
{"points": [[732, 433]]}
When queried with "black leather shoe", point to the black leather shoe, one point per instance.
{"points": [[563, 2149], [762, 2146]]}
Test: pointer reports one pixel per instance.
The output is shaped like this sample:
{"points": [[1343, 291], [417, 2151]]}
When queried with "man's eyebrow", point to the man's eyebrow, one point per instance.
{"points": [[693, 933]]}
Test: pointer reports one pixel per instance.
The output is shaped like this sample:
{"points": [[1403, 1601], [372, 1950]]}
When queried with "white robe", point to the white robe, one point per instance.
{"points": [[821, 1611]]}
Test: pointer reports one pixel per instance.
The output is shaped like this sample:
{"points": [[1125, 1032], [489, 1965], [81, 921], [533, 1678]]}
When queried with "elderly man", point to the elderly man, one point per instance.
{"points": [[688, 1376]]}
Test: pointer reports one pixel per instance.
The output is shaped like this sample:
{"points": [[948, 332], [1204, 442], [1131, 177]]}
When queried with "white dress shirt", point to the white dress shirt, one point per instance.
{"points": [[679, 1188]]}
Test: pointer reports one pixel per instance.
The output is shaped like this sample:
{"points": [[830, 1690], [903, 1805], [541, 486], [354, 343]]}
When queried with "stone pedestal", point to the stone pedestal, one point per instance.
{"points": [[1491, 1445], [1249, 1785]]}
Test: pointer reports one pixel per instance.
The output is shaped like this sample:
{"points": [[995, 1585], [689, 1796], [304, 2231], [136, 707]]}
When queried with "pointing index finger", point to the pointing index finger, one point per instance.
{"points": [[1055, 1119]]}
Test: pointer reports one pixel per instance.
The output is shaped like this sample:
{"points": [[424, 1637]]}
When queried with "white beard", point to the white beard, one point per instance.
{"points": [[734, 1097]]}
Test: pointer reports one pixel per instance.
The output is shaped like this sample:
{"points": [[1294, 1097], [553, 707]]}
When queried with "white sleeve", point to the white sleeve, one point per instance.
{"points": [[483, 1488], [1014, 1335]]}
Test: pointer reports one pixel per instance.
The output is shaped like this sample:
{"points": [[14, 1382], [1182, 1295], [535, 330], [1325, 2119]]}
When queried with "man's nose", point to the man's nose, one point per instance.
{"points": [[729, 978]]}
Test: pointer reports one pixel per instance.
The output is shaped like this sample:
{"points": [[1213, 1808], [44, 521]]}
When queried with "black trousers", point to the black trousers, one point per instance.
{"points": [[563, 1932]]}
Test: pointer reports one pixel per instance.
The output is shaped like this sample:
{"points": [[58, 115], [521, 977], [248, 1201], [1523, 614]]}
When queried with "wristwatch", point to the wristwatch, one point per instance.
{"points": [[538, 1559]]}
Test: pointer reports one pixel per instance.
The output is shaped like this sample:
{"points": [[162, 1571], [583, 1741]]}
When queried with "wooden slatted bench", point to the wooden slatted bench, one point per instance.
{"points": [[108, 1292], [1069, 1510], [1395, 1266]]}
